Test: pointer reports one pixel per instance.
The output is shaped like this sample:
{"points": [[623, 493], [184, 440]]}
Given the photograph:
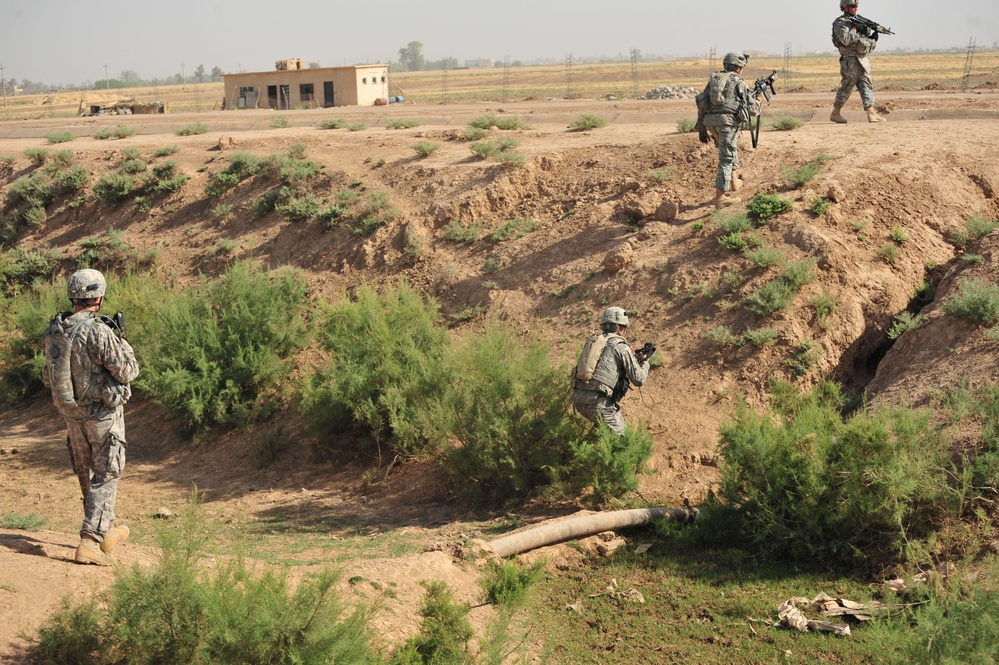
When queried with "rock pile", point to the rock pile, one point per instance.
{"points": [[671, 92]]}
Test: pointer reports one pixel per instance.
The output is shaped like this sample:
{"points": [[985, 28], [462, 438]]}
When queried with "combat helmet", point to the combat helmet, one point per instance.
{"points": [[614, 315], [86, 284], [843, 4], [735, 59]]}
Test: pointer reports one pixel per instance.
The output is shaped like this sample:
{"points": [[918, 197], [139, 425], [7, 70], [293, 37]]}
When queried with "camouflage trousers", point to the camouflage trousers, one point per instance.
{"points": [[97, 452], [855, 75], [728, 154], [598, 408]]}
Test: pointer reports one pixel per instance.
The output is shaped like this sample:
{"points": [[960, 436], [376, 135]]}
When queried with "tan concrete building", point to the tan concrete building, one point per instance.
{"points": [[292, 86]]}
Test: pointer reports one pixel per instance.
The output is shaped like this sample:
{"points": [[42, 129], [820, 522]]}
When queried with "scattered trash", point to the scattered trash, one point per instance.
{"points": [[163, 513], [632, 594], [792, 617], [643, 548]]}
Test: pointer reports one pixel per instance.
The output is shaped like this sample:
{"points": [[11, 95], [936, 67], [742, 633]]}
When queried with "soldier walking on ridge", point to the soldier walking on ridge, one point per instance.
{"points": [[854, 65]]}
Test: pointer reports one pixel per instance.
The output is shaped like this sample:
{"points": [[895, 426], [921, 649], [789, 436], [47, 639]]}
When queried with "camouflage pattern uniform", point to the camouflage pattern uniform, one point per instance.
{"points": [[102, 367], [854, 65], [722, 121], [593, 398]]}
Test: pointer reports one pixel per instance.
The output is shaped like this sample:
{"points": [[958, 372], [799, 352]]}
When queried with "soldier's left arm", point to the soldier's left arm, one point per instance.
{"points": [[636, 371]]}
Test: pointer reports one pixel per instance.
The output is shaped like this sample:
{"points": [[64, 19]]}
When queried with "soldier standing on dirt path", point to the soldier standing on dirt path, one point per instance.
{"points": [[88, 369], [854, 65], [613, 368], [724, 104]]}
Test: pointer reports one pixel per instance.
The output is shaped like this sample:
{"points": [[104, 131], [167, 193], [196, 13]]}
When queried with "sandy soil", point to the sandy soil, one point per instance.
{"points": [[926, 170]]}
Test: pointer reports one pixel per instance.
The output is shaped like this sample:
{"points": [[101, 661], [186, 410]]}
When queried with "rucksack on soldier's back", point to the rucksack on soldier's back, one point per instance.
{"points": [[592, 350]]}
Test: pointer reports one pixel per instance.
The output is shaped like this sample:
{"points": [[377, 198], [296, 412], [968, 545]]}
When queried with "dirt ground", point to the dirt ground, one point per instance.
{"points": [[925, 171]]}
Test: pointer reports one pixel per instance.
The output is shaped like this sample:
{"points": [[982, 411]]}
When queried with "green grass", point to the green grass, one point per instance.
{"points": [[976, 301], [193, 129], [333, 123], [685, 125], [29, 522], [117, 132], [60, 137], [786, 123], [586, 122], [401, 123], [425, 148], [280, 122]]}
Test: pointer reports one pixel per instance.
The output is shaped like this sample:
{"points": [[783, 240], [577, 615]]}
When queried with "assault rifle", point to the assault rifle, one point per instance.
{"points": [[645, 352], [870, 28], [763, 86], [115, 323]]}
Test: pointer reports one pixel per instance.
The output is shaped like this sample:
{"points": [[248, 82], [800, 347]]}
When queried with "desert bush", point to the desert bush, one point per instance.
{"points": [[732, 241], [62, 159], [292, 171], [329, 215], [482, 149], [888, 253], [178, 612], [774, 296], [60, 137], [280, 122], [22, 324], [166, 151], [898, 235], [508, 584], [608, 464], [401, 123], [722, 336], [904, 322], [193, 129], [786, 123], [685, 125], [820, 206], [800, 483], [803, 358], [800, 273], [975, 228], [760, 337], [457, 232], [133, 166], [663, 175], [586, 122], [242, 165], [113, 188], [513, 228], [445, 632], [217, 353], [765, 206], [222, 210], [332, 123], [490, 121], [732, 222], [476, 133], [71, 180], [20, 268], [425, 148], [510, 158], [386, 355], [28, 522], [117, 132], [976, 301], [37, 156], [801, 176], [299, 208], [824, 305], [356, 126], [957, 625], [165, 170], [764, 257]]}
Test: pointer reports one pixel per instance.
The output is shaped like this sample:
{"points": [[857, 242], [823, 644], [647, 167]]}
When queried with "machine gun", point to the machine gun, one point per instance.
{"points": [[870, 28], [115, 323], [763, 86], [646, 351]]}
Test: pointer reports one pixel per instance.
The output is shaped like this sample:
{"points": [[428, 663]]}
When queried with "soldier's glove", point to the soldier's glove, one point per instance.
{"points": [[645, 352], [702, 134]]}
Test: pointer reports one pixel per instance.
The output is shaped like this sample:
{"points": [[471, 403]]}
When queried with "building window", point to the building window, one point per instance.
{"points": [[383, 79], [307, 93], [364, 80]]}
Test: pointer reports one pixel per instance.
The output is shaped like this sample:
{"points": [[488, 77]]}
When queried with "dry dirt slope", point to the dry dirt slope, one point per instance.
{"points": [[585, 191]]}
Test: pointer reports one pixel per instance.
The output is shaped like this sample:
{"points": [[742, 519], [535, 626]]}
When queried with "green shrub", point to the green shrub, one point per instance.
{"points": [[904, 322], [957, 626], [292, 172], [513, 228], [824, 305], [765, 206], [426, 148], [60, 137], [609, 464], [386, 355], [490, 121], [217, 353], [71, 180], [898, 235], [143, 203], [774, 296], [131, 153], [804, 174], [976, 301], [445, 632], [332, 123], [20, 268], [800, 483], [22, 324], [476, 133], [483, 149], [118, 132], [586, 122], [509, 158], [764, 257], [165, 170], [193, 129], [166, 151], [242, 165], [975, 228], [888, 253], [786, 123], [732, 241], [722, 336], [972, 258], [179, 612], [820, 206], [401, 124], [299, 208], [169, 185], [686, 125], [113, 188], [663, 175], [280, 122], [133, 166], [732, 222], [222, 210], [508, 584], [804, 358], [356, 126], [37, 155], [455, 231], [29, 522], [760, 337], [63, 159], [800, 273], [331, 214]]}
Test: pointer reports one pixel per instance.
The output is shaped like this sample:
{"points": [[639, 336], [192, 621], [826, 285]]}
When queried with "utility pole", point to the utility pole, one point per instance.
{"points": [[107, 81], [3, 86], [183, 76]]}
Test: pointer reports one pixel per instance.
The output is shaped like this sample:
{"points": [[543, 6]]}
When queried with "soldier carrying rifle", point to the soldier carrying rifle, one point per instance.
{"points": [[855, 37]]}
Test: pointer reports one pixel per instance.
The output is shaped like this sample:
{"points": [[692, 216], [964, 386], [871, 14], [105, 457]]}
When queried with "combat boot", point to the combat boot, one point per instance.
{"points": [[736, 182], [115, 535], [836, 116], [89, 551], [723, 198], [872, 115]]}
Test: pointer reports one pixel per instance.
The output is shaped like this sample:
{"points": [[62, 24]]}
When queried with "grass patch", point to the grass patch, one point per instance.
{"points": [[332, 123], [425, 148], [117, 132], [513, 228], [280, 122], [29, 522], [401, 123], [60, 137], [586, 122], [765, 206], [456, 232], [193, 129], [663, 175], [686, 125], [976, 301], [786, 123]]}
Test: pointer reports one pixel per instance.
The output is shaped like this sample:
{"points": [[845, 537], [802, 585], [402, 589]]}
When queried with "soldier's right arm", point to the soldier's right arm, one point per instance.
{"points": [[113, 354]]}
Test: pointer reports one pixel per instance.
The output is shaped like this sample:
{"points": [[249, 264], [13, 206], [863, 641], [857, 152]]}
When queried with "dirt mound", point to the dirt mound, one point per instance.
{"points": [[635, 190]]}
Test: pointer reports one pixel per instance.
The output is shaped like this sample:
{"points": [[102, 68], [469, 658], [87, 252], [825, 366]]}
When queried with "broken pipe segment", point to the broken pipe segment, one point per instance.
{"points": [[586, 525]]}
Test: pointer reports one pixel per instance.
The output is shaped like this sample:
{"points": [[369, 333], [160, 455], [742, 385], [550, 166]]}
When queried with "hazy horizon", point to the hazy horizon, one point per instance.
{"points": [[58, 42]]}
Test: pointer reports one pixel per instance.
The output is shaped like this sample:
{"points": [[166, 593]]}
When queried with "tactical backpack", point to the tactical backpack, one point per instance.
{"points": [[59, 342], [592, 351]]}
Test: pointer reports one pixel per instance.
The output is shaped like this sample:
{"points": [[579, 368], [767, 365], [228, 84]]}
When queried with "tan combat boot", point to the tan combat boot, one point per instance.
{"points": [[89, 551], [736, 182], [115, 535], [723, 198], [836, 116], [872, 115]]}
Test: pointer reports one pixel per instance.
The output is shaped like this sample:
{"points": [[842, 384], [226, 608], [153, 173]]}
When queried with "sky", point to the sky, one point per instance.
{"points": [[69, 41]]}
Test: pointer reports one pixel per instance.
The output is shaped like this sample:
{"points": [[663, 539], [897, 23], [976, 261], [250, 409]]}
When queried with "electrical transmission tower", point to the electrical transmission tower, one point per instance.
{"points": [[634, 73], [444, 90], [787, 67], [506, 80], [967, 66], [568, 76], [712, 56]]}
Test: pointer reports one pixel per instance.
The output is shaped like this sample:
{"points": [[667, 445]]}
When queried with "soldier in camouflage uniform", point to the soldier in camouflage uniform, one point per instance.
{"points": [[617, 368], [722, 107], [90, 391], [854, 65]]}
